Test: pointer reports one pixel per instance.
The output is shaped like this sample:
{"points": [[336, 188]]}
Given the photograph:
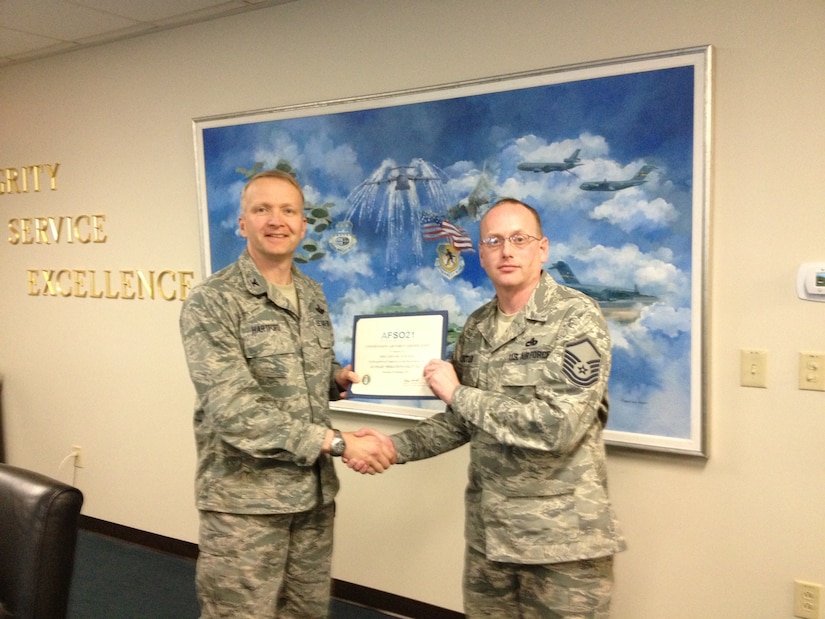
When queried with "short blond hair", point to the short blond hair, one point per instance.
{"points": [[276, 174]]}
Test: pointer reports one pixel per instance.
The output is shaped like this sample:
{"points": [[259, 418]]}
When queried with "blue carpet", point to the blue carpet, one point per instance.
{"points": [[118, 580]]}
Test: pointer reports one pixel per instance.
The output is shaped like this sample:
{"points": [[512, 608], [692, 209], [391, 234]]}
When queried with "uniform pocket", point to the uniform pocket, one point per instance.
{"points": [[272, 359], [468, 373], [530, 527]]}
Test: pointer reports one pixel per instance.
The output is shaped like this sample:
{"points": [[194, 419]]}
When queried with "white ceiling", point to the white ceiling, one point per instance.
{"points": [[32, 29]]}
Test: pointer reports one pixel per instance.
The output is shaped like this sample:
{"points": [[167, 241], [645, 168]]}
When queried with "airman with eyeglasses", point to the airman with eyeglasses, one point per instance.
{"points": [[527, 387], [496, 242], [507, 252]]}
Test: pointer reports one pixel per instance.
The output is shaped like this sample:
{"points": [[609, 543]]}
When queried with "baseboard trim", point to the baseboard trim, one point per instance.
{"points": [[342, 590], [146, 539], [389, 602]]}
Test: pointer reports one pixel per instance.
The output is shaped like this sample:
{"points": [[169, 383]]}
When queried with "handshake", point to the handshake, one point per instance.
{"points": [[371, 451], [368, 451]]}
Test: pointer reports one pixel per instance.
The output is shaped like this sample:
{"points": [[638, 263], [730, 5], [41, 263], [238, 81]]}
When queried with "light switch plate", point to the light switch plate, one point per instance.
{"points": [[753, 368], [812, 371]]}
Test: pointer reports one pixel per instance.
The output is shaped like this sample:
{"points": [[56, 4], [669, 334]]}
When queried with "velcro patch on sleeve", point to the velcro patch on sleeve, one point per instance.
{"points": [[582, 363]]}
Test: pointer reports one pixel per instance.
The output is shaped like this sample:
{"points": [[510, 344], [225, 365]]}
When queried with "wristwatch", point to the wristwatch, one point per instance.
{"points": [[338, 445]]}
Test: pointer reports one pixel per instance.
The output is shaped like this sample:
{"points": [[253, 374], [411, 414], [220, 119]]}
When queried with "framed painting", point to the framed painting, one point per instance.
{"points": [[614, 155]]}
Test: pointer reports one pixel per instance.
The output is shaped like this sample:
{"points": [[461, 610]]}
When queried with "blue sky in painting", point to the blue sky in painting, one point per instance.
{"points": [[639, 237]]}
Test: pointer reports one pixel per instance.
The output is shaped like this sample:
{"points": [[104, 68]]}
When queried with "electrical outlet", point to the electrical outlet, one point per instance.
{"points": [[806, 596], [77, 453]]}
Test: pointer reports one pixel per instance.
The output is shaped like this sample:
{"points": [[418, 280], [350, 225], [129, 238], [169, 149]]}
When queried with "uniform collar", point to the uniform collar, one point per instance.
{"points": [[537, 309], [253, 280], [537, 306]]}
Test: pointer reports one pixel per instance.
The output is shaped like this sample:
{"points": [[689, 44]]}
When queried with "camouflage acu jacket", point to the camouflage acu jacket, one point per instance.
{"points": [[263, 378], [530, 406]]}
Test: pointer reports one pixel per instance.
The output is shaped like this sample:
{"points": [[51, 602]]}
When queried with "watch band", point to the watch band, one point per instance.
{"points": [[338, 446]]}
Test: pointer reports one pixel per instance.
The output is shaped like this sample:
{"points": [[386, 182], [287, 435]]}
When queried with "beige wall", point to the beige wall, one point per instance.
{"points": [[721, 538]]}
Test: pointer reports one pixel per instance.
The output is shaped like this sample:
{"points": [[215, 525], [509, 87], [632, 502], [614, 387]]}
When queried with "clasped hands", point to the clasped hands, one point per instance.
{"points": [[370, 451]]}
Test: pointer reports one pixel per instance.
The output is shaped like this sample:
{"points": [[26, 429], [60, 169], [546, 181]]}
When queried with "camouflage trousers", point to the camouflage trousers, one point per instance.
{"points": [[574, 590], [265, 566]]}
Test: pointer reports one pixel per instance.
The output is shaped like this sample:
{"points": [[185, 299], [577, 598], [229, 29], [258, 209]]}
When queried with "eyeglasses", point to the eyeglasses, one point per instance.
{"points": [[497, 242]]}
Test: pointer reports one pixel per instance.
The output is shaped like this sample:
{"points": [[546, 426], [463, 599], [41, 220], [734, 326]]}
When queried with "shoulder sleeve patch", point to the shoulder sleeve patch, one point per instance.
{"points": [[582, 363]]}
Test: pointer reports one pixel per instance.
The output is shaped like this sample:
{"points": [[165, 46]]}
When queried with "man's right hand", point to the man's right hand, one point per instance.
{"points": [[368, 451]]}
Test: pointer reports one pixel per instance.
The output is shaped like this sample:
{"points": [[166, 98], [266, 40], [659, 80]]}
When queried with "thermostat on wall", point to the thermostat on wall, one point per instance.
{"points": [[810, 281]]}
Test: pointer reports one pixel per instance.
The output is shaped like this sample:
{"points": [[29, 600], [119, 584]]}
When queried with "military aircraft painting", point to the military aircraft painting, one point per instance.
{"points": [[479, 200], [619, 304], [605, 185], [552, 166], [402, 178]]}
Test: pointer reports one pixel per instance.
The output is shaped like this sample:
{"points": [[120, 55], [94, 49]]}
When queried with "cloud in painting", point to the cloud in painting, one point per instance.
{"points": [[351, 268], [630, 210], [630, 267]]}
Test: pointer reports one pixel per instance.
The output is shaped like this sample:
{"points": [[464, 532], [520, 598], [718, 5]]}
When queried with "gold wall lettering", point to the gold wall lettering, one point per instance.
{"points": [[168, 285], [47, 230], [28, 178], [128, 284]]}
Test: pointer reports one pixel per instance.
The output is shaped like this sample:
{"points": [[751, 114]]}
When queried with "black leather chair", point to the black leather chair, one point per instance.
{"points": [[38, 536], [2, 440]]}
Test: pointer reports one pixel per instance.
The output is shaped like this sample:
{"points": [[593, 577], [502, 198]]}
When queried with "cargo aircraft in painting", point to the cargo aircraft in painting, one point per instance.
{"points": [[552, 166], [605, 185], [620, 304], [402, 178]]}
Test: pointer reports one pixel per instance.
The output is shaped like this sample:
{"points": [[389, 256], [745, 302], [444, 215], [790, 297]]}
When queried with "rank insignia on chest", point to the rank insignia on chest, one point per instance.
{"points": [[582, 363]]}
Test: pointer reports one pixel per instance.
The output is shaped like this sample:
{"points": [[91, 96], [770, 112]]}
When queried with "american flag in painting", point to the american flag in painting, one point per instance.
{"points": [[435, 227]]}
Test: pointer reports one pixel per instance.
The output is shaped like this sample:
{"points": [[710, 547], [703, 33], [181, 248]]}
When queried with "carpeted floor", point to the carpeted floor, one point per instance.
{"points": [[117, 580]]}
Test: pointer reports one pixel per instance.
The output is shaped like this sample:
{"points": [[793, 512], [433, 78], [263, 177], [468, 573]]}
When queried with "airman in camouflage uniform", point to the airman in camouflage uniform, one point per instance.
{"points": [[259, 345], [528, 392]]}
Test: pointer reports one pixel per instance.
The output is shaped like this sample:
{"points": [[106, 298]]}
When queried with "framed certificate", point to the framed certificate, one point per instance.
{"points": [[389, 352]]}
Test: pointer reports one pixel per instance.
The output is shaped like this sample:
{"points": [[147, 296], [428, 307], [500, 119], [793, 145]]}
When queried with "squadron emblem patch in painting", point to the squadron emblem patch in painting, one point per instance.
{"points": [[343, 240], [449, 260]]}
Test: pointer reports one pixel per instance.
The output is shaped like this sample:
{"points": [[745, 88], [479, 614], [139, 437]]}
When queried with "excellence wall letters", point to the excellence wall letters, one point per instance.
{"points": [[126, 284], [83, 229]]}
